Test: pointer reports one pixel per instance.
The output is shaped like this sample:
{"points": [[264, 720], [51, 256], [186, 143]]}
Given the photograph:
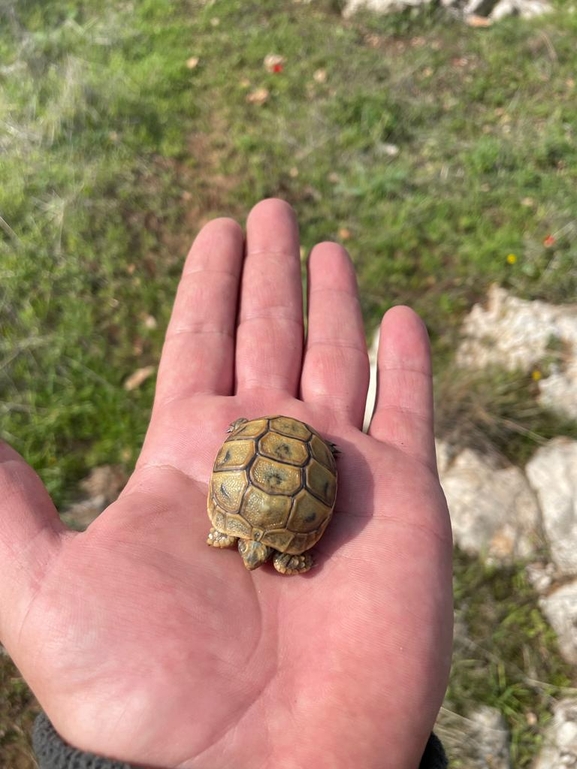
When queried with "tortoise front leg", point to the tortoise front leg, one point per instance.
{"points": [[293, 564], [218, 539]]}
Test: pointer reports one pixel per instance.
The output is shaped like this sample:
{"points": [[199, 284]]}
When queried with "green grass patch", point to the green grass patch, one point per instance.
{"points": [[506, 654], [434, 149], [496, 412]]}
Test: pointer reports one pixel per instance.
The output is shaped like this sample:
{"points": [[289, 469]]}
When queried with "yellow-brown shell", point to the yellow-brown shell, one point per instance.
{"points": [[275, 481]]}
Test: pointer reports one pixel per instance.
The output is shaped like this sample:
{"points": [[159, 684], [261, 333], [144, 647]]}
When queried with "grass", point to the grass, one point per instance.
{"points": [[433, 151], [17, 712], [505, 658], [505, 655], [496, 412]]}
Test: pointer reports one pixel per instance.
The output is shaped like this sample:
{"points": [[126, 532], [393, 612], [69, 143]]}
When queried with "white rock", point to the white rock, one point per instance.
{"points": [[527, 9], [479, 741], [560, 738], [493, 511], [552, 472], [560, 608], [380, 6], [492, 738], [541, 575], [559, 390], [520, 335], [496, 9]]}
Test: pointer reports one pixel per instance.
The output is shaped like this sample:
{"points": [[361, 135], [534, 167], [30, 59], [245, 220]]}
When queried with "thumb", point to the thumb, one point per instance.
{"points": [[30, 536]]}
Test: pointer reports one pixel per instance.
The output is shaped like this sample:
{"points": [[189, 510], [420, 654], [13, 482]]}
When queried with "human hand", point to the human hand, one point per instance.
{"points": [[144, 644]]}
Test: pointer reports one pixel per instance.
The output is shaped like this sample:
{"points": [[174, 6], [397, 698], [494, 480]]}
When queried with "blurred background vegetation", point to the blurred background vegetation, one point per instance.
{"points": [[443, 157]]}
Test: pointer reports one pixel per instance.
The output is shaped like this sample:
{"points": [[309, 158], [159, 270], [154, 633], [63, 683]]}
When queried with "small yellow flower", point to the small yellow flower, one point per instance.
{"points": [[536, 375], [511, 258]]}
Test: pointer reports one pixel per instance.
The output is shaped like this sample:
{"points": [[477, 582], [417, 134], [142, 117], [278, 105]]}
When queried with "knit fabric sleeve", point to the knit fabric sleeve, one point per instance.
{"points": [[53, 753], [434, 756]]}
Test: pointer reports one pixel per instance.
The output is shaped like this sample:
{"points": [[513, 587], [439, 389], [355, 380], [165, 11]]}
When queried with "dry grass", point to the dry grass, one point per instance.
{"points": [[18, 710]]}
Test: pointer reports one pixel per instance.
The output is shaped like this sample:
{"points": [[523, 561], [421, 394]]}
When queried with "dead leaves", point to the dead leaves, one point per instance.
{"points": [[138, 377], [258, 96]]}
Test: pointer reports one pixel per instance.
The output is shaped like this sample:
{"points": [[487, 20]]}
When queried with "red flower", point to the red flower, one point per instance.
{"points": [[549, 241], [277, 68]]}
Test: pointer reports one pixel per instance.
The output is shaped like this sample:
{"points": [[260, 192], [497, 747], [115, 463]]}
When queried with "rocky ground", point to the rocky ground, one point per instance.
{"points": [[512, 513], [473, 11]]}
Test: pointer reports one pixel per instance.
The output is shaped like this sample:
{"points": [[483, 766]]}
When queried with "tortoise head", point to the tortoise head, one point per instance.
{"points": [[232, 428], [254, 554]]}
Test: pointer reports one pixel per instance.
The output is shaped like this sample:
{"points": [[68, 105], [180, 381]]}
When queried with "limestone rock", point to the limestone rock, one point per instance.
{"points": [[552, 472], [495, 9], [560, 738], [381, 6], [521, 335], [541, 575], [499, 9], [493, 511], [527, 9], [560, 609], [480, 741], [559, 389]]}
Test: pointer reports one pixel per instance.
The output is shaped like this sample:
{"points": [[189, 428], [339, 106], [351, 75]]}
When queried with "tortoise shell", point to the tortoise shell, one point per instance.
{"points": [[274, 482]]}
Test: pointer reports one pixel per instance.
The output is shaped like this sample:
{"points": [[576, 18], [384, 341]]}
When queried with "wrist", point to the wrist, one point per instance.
{"points": [[53, 752]]}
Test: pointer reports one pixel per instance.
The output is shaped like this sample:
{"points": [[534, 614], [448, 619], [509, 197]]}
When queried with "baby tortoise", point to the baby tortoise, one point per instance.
{"points": [[272, 492]]}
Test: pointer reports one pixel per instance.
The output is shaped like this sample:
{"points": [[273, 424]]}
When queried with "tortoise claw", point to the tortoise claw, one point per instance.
{"points": [[285, 563], [217, 538]]}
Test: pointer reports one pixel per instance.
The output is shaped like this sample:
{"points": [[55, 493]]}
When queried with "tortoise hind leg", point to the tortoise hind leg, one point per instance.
{"points": [[286, 563], [217, 538]]}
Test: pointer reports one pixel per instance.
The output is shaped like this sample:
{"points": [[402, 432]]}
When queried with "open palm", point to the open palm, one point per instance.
{"points": [[143, 644]]}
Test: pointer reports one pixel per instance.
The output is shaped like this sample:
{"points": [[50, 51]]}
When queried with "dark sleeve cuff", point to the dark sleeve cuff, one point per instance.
{"points": [[53, 753], [434, 756]]}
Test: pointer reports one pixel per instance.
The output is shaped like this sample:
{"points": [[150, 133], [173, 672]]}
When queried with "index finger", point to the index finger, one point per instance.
{"points": [[198, 352]]}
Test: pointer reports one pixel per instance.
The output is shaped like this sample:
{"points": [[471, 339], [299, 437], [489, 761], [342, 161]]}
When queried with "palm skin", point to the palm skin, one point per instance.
{"points": [[143, 644]]}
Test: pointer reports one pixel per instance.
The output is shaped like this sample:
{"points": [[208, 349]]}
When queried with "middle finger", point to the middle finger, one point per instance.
{"points": [[270, 332]]}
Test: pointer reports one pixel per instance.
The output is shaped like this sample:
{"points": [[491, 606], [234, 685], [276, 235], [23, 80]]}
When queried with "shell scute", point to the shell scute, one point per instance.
{"points": [[234, 455], [275, 477], [291, 427], [288, 450], [265, 511], [228, 489], [238, 526], [250, 429], [280, 539], [308, 513], [321, 482], [322, 453]]}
